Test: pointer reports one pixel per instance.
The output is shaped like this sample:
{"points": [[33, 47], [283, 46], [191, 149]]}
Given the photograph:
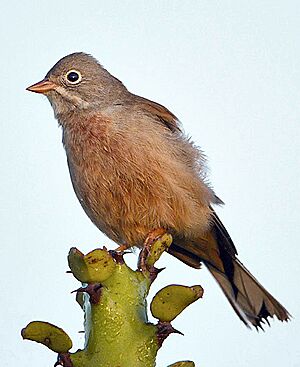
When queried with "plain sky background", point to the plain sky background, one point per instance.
{"points": [[230, 71]]}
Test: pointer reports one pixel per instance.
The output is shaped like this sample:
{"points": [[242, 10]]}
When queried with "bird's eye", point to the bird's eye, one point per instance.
{"points": [[73, 77]]}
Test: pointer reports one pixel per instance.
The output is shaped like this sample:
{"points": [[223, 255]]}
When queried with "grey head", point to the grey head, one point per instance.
{"points": [[78, 82]]}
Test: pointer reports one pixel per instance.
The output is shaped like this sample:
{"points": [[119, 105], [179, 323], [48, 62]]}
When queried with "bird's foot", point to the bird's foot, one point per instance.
{"points": [[123, 247], [153, 236]]}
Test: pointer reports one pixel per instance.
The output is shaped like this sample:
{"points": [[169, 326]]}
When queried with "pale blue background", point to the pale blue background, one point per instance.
{"points": [[230, 71]]}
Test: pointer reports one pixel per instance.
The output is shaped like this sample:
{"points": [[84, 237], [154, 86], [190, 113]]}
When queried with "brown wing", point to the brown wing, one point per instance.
{"points": [[162, 114]]}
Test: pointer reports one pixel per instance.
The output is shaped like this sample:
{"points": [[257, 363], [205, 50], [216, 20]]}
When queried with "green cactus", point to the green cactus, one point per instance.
{"points": [[113, 298]]}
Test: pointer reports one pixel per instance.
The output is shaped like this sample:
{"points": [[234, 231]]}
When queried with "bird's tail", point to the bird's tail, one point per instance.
{"points": [[250, 300]]}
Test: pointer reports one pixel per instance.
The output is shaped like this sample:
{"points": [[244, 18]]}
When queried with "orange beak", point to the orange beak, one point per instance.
{"points": [[43, 86]]}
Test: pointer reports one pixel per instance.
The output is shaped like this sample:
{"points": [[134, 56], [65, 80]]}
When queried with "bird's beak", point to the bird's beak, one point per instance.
{"points": [[43, 86]]}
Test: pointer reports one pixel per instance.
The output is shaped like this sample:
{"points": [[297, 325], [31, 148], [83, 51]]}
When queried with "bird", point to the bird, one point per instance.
{"points": [[135, 171]]}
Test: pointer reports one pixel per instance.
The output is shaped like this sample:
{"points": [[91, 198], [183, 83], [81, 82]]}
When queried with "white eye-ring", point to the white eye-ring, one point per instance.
{"points": [[73, 77]]}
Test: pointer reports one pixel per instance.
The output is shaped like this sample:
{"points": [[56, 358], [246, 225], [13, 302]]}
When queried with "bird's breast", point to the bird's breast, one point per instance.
{"points": [[128, 183]]}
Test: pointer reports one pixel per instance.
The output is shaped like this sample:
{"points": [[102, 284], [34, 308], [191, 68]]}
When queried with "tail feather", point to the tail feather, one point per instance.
{"points": [[229, 293], [249, 299]]}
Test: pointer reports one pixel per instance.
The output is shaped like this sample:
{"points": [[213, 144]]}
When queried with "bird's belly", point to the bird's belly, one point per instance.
{"points": [[126, 201], [123, 214]]}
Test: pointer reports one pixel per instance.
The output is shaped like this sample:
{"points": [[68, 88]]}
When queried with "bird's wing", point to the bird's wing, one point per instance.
{"points": [[163, 115], [223, 236]]}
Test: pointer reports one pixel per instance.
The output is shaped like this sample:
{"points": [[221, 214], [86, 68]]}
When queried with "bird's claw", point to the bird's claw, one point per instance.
{"points": [[152, 237]]}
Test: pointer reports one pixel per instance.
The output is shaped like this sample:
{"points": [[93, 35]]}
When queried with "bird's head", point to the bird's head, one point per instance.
{"points": [[78, 82]]}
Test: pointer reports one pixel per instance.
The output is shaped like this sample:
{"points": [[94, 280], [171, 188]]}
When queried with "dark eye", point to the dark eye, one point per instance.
{"points": [[73, 76]]}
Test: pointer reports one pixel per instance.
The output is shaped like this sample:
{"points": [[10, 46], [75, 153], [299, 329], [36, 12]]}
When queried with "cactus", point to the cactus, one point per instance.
{"points": [[113, 298]]}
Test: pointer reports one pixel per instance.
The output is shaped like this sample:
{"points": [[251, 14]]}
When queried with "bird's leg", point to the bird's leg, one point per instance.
{"points": [[123, 247], [153, 236]]}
